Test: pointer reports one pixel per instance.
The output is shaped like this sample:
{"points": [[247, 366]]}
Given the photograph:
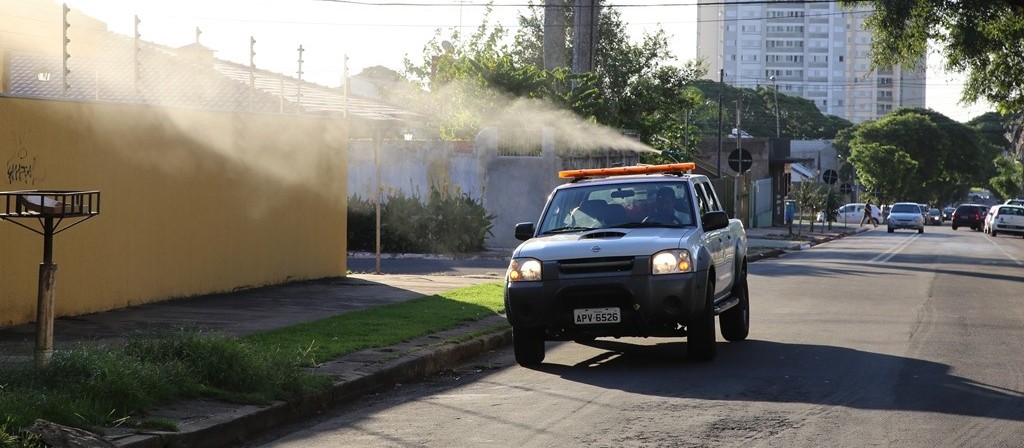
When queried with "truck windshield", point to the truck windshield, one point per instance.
{"points": [[640, 204]]}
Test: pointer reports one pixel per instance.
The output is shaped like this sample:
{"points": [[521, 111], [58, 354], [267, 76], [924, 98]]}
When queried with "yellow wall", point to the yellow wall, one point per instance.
{"points": [[192, 202]]}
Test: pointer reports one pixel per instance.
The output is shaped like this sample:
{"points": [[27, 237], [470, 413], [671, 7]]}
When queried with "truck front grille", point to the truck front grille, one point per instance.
{"points": [[595, 265], [594, 297]]}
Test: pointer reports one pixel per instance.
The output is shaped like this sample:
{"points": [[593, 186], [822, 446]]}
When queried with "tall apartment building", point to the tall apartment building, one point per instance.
{"points": [[818, 51]]}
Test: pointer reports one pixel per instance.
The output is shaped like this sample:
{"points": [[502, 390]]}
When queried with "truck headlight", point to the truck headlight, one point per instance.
{"points": [[524, 270], [671, 262]]}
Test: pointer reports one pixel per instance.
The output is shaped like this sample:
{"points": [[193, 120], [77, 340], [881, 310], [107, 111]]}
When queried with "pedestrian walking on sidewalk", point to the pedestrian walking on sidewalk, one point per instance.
{"points": [[867, 215]]}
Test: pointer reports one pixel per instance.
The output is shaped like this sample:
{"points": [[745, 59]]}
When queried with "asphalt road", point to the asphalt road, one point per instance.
{"points": [[892, 340]]}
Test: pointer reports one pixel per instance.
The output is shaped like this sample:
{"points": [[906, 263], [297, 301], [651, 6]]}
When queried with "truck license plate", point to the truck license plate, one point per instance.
{"points": [[585, 316]]}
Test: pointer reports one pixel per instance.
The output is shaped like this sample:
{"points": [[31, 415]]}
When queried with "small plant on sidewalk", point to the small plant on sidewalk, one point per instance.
{"points": [[831, 199], [808, 196]]}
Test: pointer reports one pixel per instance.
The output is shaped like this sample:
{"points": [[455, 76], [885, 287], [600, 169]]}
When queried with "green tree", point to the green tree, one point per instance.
{"points": [[1009, 179], [951, 157], [640, 90], [830, 203], [631, 87], [884, 168], [808, 197], [991, 128], [798, 118], [841, 143]]}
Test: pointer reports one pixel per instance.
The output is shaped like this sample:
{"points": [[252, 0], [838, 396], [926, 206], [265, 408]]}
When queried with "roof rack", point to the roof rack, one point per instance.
{"points": [[627, 170]]}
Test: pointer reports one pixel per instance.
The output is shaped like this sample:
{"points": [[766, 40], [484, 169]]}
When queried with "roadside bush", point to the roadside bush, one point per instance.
{"points": [[361, 222], [444, 223]]}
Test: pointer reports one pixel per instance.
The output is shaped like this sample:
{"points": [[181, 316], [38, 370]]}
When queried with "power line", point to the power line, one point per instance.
{"points": [[611, 5]]}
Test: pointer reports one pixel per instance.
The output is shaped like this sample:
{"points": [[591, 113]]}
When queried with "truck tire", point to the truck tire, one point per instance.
{"points": [[735, 321], [700, 332], [528, 346]]}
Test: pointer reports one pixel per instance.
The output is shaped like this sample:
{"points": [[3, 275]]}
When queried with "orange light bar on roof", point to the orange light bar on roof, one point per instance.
{"points": [[626, 170]]}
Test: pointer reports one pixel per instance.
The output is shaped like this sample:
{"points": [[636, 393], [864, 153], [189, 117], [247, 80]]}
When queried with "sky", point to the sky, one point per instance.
{"points": [[383, 32]]}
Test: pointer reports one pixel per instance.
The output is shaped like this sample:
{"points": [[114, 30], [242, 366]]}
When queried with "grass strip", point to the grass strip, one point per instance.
{"points": [[91, 386], [312, 343]]}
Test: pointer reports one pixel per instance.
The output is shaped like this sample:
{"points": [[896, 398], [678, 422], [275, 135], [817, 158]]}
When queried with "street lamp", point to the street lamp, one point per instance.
{"points": [[778, 132]]}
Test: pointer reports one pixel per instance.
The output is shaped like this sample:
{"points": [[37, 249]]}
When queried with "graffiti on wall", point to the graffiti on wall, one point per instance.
{"points": [[22, 169]]}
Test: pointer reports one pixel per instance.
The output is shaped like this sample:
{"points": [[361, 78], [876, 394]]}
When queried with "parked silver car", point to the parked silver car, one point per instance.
{"points": [[905, 215]]}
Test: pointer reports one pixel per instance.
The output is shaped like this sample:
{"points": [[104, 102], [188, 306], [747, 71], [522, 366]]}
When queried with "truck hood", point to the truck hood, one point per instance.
{"points": [[604, 243]]}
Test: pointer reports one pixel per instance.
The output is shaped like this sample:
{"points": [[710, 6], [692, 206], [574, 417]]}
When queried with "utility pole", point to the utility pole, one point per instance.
{"points": [[686, 129], [738, 184], [554, 34], [585, 21], [778, 133], [721, 94]]}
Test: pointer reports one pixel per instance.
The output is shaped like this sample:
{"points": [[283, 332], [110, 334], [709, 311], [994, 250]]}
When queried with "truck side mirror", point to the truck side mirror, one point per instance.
{"points": [[524, 231], [714, 220]]}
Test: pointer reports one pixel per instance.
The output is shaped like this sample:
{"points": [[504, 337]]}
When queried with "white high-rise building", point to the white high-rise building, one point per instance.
{"points": [[818, 51]]}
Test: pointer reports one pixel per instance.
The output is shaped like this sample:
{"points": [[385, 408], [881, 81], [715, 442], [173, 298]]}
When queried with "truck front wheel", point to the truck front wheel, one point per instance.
{"points": [[700, 332], [528, 346], [735, 321]]}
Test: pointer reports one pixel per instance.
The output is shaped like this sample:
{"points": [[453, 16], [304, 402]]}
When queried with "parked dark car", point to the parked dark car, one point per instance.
{"points": [[970, 215]]}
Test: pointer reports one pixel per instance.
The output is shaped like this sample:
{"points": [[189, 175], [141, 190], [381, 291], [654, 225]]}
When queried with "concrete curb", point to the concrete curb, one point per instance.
{"points": [[245, 421], [779, 251]]}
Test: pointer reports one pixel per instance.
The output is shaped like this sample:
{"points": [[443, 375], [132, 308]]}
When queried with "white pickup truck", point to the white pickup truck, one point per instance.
{"points": [[629, 251]]}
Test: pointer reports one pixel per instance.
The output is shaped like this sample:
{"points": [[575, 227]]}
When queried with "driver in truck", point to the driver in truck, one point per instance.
{"points": [[665, 208]]}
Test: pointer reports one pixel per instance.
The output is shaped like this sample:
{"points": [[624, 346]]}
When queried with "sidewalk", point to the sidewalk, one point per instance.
{"points": [[206, 423], [773, 241]]}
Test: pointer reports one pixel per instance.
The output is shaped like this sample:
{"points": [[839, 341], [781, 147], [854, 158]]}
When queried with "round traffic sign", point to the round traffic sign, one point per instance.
{"points": [[830, 177], [846, 188], [740, 160]]}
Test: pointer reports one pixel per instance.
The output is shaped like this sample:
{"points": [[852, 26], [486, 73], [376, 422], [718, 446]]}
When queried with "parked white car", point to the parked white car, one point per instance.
{"points": [[853, 213], [1005, 219]]}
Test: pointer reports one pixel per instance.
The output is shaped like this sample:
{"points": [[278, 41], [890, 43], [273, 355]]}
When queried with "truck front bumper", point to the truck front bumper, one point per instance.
{"points": [[649, 305]]}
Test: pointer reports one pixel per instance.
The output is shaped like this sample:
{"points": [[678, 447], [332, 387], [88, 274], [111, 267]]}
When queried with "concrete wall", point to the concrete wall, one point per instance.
{"points": [[512, 188], [517, 186], [412, 167], [822, 155], [193, 202]]}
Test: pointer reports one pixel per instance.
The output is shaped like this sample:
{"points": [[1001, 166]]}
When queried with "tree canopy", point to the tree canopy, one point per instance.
{"points": [[919, 155], [634, 87]]}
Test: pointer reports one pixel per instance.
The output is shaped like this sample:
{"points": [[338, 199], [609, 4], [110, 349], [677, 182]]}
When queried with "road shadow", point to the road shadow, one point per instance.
{"points": [[792, 373]]}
